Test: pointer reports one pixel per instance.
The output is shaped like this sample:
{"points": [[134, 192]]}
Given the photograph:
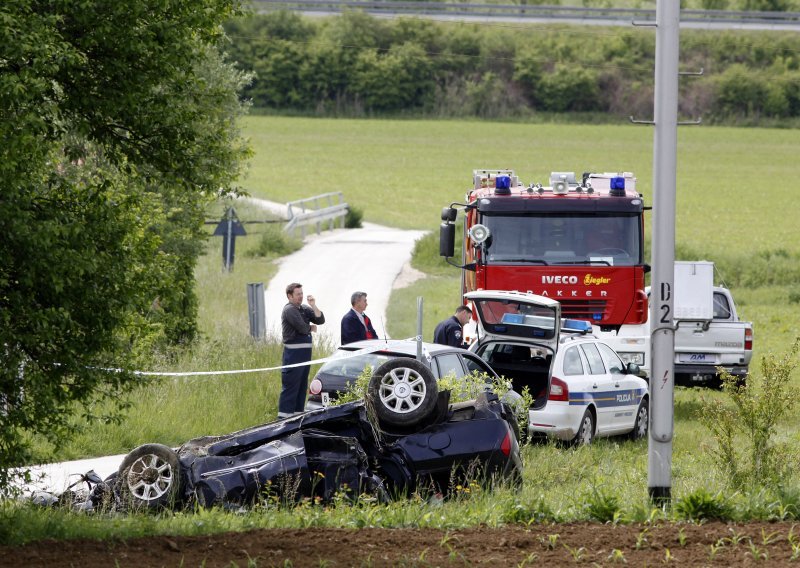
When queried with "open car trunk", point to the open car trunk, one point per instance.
{"points": [[527, 366], [518, 336]]}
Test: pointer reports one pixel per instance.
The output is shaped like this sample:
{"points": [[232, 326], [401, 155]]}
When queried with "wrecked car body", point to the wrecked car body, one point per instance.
{"points": [[404, 437]]}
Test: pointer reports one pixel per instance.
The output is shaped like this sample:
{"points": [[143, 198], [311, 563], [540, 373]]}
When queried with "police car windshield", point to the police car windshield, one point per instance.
{"points": [[557, 238]]}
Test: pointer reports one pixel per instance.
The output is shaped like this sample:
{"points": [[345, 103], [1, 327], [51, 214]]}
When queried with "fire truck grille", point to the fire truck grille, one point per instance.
{"points": [[584, 309]]}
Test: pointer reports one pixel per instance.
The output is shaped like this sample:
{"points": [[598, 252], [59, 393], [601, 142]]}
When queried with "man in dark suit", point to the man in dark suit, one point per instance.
{"points": [[355, 323]]}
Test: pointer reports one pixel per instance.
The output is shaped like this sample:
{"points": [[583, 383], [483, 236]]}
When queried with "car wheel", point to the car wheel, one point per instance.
{"points": [[640, 425], [149, 477], [403, 392], [585, 433]]}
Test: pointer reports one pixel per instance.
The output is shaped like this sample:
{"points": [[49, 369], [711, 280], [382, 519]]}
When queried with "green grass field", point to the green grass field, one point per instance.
{"points": [[736, 206], [734, 185]]}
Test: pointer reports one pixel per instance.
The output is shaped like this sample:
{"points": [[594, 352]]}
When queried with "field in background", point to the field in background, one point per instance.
{"points": [[733, 183]]}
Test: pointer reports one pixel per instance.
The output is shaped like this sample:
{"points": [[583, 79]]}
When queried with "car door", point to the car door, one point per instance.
{"points": [[626, 390], [600, 388]]}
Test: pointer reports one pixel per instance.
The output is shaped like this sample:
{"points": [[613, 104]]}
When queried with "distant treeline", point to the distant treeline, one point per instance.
{"points": [[358, 65]]}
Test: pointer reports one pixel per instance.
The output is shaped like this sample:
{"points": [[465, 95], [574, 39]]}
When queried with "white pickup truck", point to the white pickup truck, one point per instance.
{"points": [[708, 331]]}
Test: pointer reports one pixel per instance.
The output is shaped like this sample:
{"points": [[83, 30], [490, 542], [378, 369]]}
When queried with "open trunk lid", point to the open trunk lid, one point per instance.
{"points": [[506, 315]]}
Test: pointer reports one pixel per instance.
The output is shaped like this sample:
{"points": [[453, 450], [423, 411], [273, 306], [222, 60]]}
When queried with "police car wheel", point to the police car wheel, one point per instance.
{"points": [[403, 392], [585, 433], [640, 425], [149, 477]]}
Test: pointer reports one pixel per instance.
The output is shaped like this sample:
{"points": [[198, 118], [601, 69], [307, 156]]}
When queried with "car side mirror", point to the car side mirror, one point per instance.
{"points": [[633, 369], [447, 239]]}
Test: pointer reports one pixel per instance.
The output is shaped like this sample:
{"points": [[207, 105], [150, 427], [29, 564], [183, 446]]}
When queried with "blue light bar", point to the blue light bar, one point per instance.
{"points": [[575, 325], [618, 182]]}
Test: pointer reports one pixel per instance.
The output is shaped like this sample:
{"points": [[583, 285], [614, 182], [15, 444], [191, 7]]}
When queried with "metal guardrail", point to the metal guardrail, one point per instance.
{"points": [[525, 11], [310, 211]]}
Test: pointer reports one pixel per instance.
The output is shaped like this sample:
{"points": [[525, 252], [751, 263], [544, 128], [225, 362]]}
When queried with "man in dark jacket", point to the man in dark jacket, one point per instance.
{"points": [[355, 323], [451, 331], [298, 321]]}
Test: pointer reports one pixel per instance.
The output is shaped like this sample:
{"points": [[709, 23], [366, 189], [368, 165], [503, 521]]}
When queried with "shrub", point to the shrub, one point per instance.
{"points": [[275, 242], [601, 505], [569, 88], [745, 432], [701, 505], [395, 80], [353, 218], [740, 92]]}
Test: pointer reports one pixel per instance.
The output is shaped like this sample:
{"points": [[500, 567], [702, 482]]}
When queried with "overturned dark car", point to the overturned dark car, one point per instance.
{"points": [[405, 436]]}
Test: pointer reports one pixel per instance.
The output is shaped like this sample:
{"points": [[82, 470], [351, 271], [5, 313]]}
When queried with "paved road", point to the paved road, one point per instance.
{"points": [[331, 266]]}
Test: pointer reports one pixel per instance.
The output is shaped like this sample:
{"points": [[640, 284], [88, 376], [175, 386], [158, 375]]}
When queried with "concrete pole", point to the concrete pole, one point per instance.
{"points": [[663, 253]]}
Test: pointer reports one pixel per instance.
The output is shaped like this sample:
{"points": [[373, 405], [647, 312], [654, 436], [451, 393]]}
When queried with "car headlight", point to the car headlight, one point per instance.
{"points": [[636, 357]]}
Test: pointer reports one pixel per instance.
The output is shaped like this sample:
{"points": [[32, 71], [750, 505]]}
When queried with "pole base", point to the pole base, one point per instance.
{"points": [[660, 496]]}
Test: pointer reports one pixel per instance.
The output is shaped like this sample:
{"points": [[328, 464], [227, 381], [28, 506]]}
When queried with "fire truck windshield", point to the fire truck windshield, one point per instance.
{"points": [[558, 238]]}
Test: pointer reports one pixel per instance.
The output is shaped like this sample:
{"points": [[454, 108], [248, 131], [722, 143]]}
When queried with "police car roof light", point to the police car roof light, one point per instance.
{"points": [[575, 325]]}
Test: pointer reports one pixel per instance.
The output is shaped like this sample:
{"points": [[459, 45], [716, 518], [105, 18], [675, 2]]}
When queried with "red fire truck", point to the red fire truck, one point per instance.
{"points": [[578, 241]]}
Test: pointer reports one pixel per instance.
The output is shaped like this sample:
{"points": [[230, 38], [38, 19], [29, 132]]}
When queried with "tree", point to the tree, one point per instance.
{"points": [[118, 123]]}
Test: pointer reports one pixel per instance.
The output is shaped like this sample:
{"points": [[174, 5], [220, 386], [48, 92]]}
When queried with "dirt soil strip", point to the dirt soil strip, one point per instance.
{"points": [[711, 544]]}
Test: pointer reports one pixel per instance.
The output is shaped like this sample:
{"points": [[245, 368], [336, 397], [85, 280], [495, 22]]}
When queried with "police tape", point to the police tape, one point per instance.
{"points": [[339, 356]]}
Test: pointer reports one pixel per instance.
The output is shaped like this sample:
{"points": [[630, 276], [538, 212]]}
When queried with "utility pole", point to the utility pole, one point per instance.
{"points": [[662, 344]]}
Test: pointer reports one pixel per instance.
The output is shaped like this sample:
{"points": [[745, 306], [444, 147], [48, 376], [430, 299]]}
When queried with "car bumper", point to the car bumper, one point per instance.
{"points": [[702, 374], [558, 420]]}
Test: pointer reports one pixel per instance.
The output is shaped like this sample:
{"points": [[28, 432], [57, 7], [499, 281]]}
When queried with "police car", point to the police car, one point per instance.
{"points": [[581, 387]]}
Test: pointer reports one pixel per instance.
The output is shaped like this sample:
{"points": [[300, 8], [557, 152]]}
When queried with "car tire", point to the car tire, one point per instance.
{"points": [[641, 423], [149, 477], [585, 433], [403, 392]]}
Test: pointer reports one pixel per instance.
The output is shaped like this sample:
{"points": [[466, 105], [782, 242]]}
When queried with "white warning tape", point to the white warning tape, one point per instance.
{"points": [[338, 356]]}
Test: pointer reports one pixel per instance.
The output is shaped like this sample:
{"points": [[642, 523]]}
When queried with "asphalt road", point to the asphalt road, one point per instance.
{"points": [[333, 265]]}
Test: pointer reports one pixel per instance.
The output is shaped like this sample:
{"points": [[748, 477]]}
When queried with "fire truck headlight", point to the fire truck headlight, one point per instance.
{"points": [[636, 357], [479, 233]]}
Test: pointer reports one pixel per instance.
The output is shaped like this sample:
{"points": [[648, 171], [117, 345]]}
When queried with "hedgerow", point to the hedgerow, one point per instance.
{"points": [[358, 65]]}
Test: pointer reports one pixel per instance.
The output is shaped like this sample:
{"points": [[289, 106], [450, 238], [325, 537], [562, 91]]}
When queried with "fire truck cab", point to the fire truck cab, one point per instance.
{"points": [[577, 241]]}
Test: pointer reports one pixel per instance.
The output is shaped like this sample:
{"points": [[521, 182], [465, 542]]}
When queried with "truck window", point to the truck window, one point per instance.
{"points": [[612, 239], [722, 308]]}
